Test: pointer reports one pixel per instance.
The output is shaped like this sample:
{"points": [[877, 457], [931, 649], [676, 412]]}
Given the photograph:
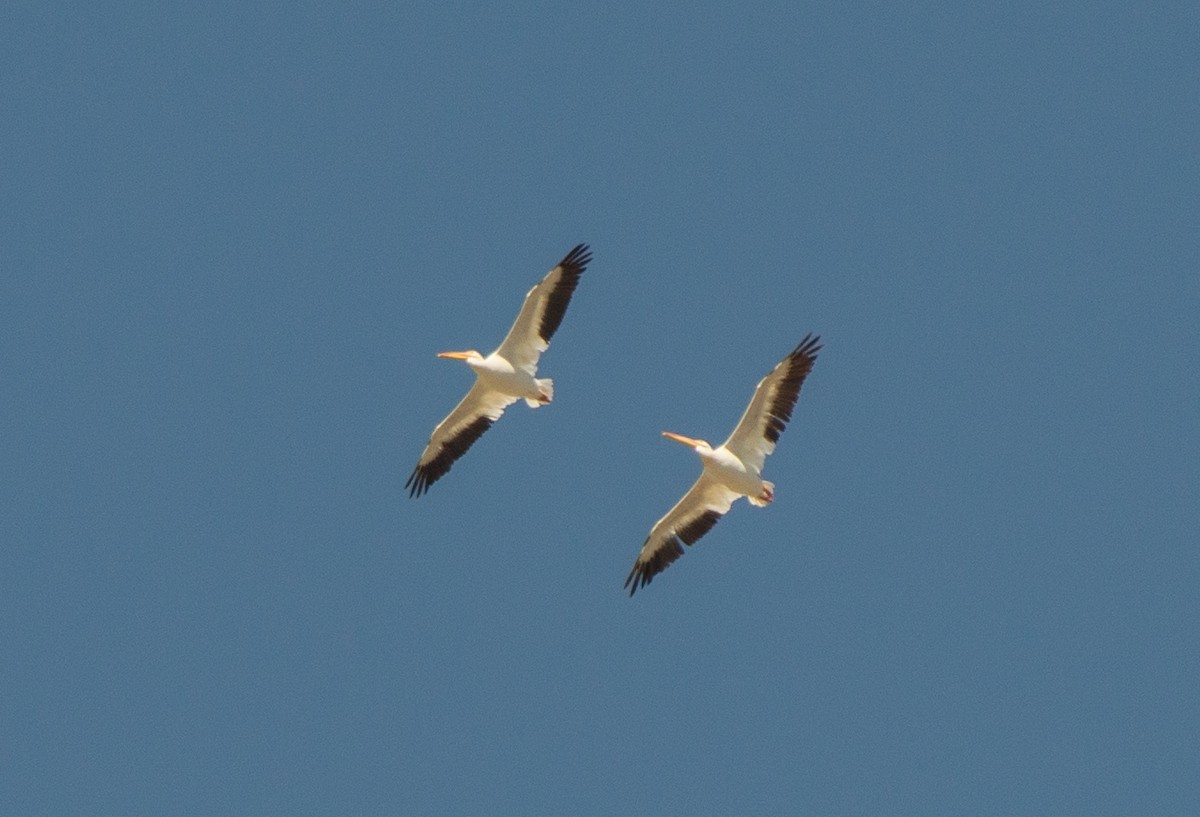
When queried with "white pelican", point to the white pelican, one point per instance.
{"points": [[506, 375], [731, 471]]}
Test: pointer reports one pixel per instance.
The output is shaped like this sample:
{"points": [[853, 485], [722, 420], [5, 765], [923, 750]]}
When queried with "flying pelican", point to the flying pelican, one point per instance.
{"points": [[506, 375], [731, 471]]}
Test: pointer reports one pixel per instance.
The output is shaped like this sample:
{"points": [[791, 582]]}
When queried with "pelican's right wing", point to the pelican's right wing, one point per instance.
{"points": [[454, 435], [692, 517]]}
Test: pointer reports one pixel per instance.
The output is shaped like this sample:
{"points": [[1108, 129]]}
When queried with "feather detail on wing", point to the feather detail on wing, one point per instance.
{"points": [[543, 311], [692, 517], [771, 407], [454, 435]]}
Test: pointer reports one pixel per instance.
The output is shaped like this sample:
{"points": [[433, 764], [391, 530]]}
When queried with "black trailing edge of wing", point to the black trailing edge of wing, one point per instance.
{"points": [[799, 363], [573, 265], [672, 549], [702, 524], [425, 475]]}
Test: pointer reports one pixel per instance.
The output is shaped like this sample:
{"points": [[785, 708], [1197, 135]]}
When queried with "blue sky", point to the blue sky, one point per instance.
{"points": [[233, 237]]}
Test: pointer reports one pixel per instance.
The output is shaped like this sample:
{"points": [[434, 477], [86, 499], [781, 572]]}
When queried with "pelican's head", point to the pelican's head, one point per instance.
{"points": [[469, 355], [695, 445]]}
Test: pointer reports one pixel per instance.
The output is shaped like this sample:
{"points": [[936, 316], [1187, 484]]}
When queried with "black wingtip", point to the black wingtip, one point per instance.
{"points": [[417, 483], [577, 259], [425, 475], [644, 572], [797, 366], [572, 266], [808, 347], [629, 579], [638, 577]]}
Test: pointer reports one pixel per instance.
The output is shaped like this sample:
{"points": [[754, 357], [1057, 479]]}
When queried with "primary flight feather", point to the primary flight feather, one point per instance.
{"points": [[506, 375]]}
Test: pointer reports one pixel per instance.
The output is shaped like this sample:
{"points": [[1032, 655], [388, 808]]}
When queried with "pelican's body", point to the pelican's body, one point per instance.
{"points": [[731, 471], [500, 375], [506, 375]]}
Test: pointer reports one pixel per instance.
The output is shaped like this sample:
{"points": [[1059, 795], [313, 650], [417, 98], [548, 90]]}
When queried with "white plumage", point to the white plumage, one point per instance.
{"points": [[506, 375], [730, 471]]}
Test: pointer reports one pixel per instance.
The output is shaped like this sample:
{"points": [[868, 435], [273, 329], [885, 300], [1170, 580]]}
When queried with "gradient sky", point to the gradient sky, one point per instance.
{"points": [[233, 237]]}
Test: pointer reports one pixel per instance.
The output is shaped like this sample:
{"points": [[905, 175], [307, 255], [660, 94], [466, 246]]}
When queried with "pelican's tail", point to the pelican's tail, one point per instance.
{"points": [[765, 498], [546, 387]]}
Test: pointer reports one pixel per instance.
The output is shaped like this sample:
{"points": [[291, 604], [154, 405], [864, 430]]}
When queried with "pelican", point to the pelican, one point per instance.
{"points": [[506, 375], [731, 471]]}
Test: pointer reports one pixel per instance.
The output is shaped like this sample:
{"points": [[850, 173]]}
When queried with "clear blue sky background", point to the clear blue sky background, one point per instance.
{"points": [[233, 237]]}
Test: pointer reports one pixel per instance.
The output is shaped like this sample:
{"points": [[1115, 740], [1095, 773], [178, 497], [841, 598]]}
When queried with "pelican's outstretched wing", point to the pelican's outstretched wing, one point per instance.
{"points": [[454, 435], [543, 311], [692, 517], [771, 407]]}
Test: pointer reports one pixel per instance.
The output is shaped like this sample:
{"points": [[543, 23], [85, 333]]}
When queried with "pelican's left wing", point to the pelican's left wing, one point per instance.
{"points": [[543, 311], [692, 517], [454, 435], [771, 407]]}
